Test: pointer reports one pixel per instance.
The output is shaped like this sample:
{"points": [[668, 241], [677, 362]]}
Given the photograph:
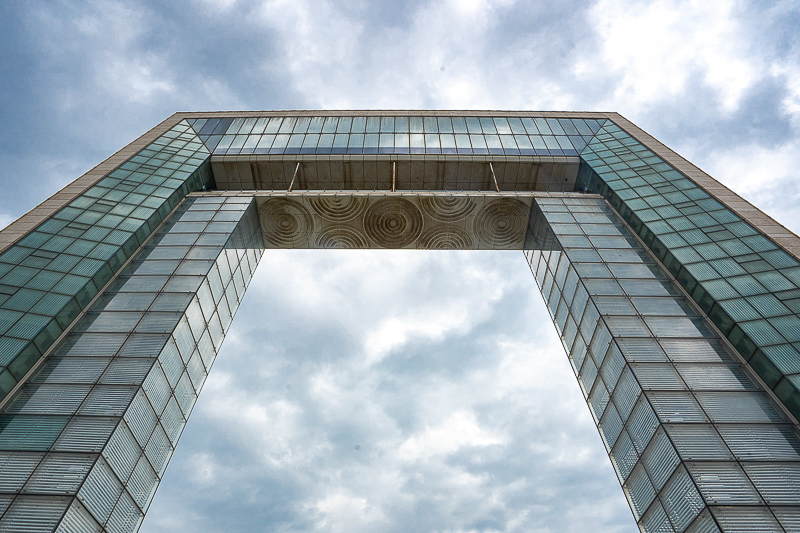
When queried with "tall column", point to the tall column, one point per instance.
{"points": [[697, 444], [86, 441]]}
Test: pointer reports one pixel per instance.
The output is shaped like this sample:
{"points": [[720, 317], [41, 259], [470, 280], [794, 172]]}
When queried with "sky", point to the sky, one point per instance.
{"points": [[365, 391]]}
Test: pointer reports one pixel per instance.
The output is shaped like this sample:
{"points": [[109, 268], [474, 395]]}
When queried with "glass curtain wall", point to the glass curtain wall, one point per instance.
{"points": [[696, 443], [85, 443]]}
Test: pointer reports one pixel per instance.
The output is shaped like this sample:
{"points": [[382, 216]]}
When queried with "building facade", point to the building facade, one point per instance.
{"points": [[677, 301]]}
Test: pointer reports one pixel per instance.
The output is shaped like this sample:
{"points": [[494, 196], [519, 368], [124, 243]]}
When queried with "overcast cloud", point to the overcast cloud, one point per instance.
{"points": [[396, 391]]}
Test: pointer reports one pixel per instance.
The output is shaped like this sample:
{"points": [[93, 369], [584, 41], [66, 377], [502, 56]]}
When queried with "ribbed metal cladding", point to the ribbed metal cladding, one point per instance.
{"points": [[85, 442], [697, 444]]}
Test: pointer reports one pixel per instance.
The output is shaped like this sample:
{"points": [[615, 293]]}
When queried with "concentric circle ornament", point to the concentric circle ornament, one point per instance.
{"points": [[341, 237], [445, 238], [393, 222], [338, 208], [447, 208], [501, 222], [285, 223]]}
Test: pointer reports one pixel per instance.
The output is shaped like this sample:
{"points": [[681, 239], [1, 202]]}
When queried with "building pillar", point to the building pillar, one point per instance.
{"points": [[86, 441], [696, 441]]}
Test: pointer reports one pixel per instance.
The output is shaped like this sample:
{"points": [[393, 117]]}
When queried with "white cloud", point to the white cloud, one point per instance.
{"points": [[345, 513], [754, 167], [204, 467], [448, 437], [655, 48], [443, 58], [459, 430], [5, 220], [790, 72]]}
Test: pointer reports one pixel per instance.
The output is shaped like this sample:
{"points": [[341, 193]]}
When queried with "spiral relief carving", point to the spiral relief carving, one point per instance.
{"points": [[393, 222], [501, 222], [445, 238], [338, 208], [285, 223], [447, 208], [341, 237]]}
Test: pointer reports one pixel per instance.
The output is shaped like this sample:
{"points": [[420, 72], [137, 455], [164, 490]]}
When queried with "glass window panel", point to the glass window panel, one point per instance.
{"points": [[17, 468], [530, 126], [502, 126], [551, 143], [340, 143], [494, 144], [588, 374], [663, 306], [279, 145], [541, 125], [301, 125], [315, 124], [386, 143], [416, 125], [641, 349], [627, 326], [34, 513], [273, 125], [642, 424], [141, 418], [325, 143], [401, 124], [738, 407], [761, 442], [660, 459], [86, 434], [295, 143], [678, 327], [371, 143], [143, 482], [49, 399], [373, 124], [478, 144], [751, 519], [159, 450], [657, 376], [101, 490], [387, 125], [76, 370], [640, 490], [448, 143], [695, 350], [555, 126], [108, 400], [60, 474], [126, 516], [610, 426], [712, 376], [417, 141], [309, 144], [344, 125], [682, 502], [624, 455], [30, 432], [432, 145], [602, 287], [509, 144], [598, 399], [723, 483], [127, 371], [676, 407], [698, 441], [778, 483], [356, 145], [172, 420], [473, 125]]}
